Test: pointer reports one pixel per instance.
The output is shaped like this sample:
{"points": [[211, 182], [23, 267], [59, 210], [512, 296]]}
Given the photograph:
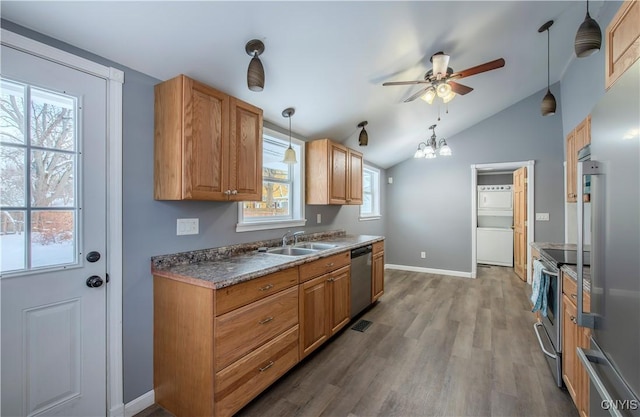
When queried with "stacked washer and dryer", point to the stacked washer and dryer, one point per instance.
{"points": [[494, 245]]}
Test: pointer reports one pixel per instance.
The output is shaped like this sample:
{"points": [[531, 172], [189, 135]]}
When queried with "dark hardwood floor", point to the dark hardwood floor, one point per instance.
{"points": [[438, 346]]}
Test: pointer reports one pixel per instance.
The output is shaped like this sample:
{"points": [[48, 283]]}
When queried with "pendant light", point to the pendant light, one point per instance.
{"points": [[289, 154], [588, 38], [548, 105], [255, 73], [363, 139]]}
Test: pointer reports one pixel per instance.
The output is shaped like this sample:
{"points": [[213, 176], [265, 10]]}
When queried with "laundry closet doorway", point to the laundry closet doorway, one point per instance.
{"points": [[500, 231]]}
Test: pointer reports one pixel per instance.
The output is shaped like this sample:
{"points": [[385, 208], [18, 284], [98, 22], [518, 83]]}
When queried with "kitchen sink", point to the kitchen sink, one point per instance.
{"points": [[316, 245], [292, 251]]}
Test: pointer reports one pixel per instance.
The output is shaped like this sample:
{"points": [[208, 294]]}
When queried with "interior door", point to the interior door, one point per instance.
{"points": [[520, 222], [53, 269]]}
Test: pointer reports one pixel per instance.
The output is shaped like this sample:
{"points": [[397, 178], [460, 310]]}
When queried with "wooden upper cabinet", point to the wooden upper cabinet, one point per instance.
{"points": [[334, 173], [577, 139], [208, 145], [622, 41]]}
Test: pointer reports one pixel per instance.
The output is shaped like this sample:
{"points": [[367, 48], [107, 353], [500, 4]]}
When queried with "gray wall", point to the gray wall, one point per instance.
{"points": [[149, 225], [429, 202]]}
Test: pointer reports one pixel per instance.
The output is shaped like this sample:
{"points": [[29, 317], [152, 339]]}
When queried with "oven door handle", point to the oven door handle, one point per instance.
{"points": [[550, 273], [545, 351]]}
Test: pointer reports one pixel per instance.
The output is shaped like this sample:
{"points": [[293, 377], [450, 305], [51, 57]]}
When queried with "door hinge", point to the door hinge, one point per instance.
{"points": [[107, 278]]}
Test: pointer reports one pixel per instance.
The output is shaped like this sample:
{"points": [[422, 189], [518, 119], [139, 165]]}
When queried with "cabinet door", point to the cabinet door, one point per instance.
{"points": [[338, 174], [340, 298], [571, 167], [313, 314], [622, 41], [355, 178], [569, 345], [377, 276], [245, 158], [205, 143]]}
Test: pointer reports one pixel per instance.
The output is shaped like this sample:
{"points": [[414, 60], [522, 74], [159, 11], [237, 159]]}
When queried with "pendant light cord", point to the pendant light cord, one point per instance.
{"points": [[548, 59], [289, 131]]}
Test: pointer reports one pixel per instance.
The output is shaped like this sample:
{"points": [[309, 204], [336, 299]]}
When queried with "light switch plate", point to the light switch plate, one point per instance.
{"points": [[318, 218], [390, 180], [187, 227], [544, 217]]}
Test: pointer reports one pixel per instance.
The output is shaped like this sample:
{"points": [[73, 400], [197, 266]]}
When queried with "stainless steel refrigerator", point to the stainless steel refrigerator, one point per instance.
{"points": [[612, 178]]}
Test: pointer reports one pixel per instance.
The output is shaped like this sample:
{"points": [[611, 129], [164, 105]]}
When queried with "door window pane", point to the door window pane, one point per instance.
{"points": [[12, 176], [38, 170], [12, 240], [12, 112], [52, 237]]}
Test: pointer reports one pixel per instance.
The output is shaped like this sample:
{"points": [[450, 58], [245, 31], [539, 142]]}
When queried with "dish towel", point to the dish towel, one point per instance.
{"points": [[540, 288]]}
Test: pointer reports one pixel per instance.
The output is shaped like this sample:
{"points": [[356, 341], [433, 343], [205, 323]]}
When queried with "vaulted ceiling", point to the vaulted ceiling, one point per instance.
{"points": [[328, 59]]}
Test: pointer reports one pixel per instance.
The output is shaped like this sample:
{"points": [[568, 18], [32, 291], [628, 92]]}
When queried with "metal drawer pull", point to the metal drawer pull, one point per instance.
{"points": [[266, 287], [573, 319], [586, 357], [269, 365], [574, 295], [546, 352], [330, 264], [267, 320]]}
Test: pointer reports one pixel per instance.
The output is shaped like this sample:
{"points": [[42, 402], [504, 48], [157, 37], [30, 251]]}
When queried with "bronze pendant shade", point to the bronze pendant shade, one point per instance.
{"points": [[255, 73], [588, 38], [548, 105], [363, 139]]}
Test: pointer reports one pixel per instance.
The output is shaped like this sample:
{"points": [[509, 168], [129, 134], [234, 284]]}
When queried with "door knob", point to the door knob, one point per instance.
{"points": [[94, 281]]}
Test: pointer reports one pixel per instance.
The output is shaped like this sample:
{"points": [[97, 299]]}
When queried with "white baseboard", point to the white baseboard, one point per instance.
{"points": [[117, 411], [429, 270], [134, 407]]}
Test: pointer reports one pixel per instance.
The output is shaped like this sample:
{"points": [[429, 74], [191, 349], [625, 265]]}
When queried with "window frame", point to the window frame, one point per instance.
{"points": [[375, 194], [297, 191]]}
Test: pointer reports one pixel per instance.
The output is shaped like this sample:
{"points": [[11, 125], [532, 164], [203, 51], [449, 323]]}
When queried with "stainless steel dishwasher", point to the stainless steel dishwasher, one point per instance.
{"points": [[360, 279]]}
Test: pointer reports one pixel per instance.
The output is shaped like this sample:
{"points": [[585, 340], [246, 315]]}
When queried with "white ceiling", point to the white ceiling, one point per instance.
{"points": [[328, 59]]}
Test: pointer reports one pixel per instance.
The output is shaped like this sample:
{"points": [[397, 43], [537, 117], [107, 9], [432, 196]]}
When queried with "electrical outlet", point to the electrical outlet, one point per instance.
{"points": [[390, 180], [187, 227], [544, 217], [318, 218], [423, 255]]}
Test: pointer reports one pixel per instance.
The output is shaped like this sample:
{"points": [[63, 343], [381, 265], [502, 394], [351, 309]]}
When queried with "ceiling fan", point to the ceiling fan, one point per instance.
{"points": [[440, 80]]}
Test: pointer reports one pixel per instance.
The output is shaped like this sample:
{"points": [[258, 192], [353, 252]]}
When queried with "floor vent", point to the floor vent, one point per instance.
{"points": [[361, 325]]}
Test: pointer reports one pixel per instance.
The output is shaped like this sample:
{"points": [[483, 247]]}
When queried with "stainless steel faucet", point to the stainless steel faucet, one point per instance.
{"points": [[295, 237]]}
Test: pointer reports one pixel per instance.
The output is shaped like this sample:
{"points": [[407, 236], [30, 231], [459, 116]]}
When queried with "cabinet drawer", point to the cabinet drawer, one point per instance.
{"points": [[378, 247], [570, 289], [241, 381], [242, 330], [235, 296], [324, 265]]}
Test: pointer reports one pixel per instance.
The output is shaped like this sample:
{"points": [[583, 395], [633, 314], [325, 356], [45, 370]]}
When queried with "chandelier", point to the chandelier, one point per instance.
{"points": [[432, 147]]}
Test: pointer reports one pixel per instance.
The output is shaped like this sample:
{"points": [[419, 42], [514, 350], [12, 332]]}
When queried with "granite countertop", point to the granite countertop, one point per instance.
{"points": [[225, 266], [570, 270]]}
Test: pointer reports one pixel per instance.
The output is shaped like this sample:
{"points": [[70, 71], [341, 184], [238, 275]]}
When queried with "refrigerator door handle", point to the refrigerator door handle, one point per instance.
{"points": [[584, 168], [586, 357]]}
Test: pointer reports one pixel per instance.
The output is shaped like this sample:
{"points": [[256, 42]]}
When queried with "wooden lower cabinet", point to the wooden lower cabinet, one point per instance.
{"points": [[325, 304], [573, 336], [239, 383], [377, 271]]}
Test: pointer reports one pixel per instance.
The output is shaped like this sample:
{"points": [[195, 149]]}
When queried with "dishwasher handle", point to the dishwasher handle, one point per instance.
{"points": [[355, 253]]}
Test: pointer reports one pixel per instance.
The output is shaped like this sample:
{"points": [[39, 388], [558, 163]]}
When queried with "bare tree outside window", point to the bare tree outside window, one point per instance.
{"points": [[38, 162]]}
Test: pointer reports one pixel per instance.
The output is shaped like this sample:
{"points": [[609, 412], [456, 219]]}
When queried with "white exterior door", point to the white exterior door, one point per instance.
{"points": [[53, 135]]}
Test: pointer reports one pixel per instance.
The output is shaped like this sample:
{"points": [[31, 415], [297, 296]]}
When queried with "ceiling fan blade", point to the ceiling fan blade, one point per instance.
{"points": [[405, 83], [459, 88], [487, 66], [416, 95]]}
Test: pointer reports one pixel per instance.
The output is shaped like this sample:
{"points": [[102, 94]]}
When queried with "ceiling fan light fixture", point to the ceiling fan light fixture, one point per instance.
{"points": [[443, 90], [363, 139], [289, 154], [255, 73], [440, 62], [429, 95], [588, 38], [448, 97]]}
